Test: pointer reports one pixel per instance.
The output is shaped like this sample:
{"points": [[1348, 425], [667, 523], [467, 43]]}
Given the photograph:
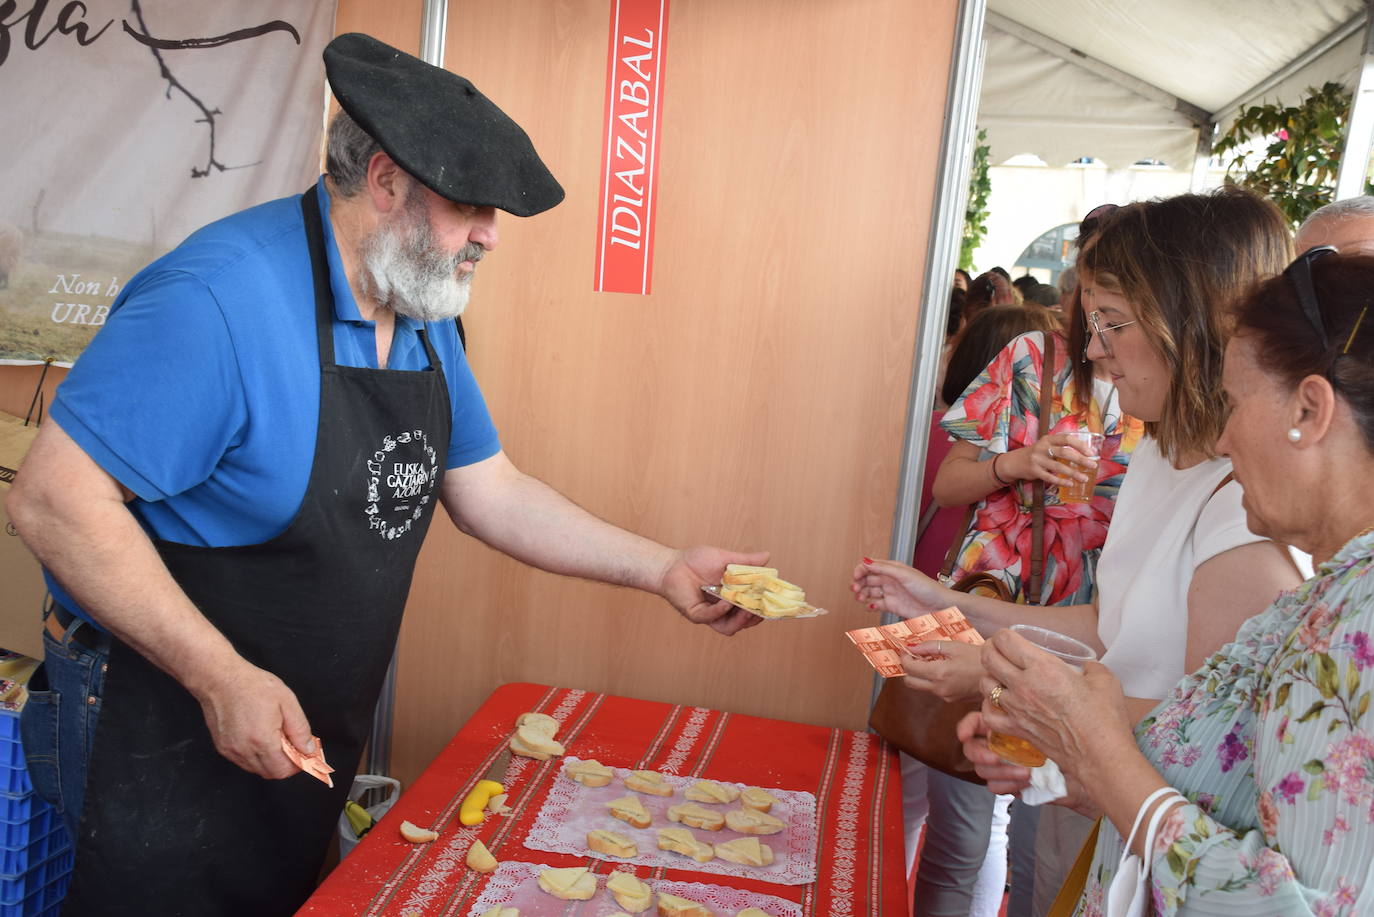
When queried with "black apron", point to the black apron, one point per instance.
{"points": [[172, 828]]}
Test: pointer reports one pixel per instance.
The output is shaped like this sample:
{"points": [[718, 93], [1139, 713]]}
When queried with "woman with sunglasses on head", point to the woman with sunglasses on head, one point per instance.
{"points": [[1252, 786], [998, 452], [1180, 570]]}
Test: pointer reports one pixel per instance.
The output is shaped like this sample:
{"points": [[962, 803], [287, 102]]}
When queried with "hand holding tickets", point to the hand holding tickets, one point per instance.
{"points": [[313, 764], [881, 646]]}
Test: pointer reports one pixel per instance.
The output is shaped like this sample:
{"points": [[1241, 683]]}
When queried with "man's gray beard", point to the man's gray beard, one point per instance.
{"points": [[407, 273]]}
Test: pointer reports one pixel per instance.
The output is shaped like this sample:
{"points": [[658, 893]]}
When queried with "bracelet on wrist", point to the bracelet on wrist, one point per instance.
{"points": [[999, 478]]}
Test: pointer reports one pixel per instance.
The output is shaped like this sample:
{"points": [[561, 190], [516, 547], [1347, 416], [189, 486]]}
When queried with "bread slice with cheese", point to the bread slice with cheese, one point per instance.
{"points": [[673, 906], [500, 911], [782, 587], [754, 798], [746, 851], [778, 606], [630, 893], [712, 792], [650, 782], [695, 816], [588, 773], [630, 810], [680, 840], [750, 821], [745, 575], [744, 597], [573, 883], [611, 843], [753, 912]]}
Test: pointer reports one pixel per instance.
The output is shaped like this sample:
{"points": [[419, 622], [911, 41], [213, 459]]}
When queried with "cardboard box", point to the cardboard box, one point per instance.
{"points": [[21, 600]]}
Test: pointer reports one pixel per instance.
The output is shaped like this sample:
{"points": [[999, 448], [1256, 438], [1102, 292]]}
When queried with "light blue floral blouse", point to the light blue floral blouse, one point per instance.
{"points": [[1272, 742]]}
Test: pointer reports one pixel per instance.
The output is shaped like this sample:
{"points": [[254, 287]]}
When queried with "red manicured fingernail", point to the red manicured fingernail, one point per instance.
{"points": [[868, 560], [873, 607]]}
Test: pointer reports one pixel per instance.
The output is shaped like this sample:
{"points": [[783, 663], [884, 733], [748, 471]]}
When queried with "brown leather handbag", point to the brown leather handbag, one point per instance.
{"points": [[920, 723]]}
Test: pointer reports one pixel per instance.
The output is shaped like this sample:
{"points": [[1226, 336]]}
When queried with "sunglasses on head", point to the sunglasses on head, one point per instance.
{"points": [[1299, 274]]}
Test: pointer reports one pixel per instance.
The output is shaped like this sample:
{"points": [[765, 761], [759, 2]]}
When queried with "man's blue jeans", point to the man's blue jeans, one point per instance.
{"points": [[58, 722]]}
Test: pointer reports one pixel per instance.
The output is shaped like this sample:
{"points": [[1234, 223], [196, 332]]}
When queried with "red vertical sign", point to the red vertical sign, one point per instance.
{"points": [[629, 158]]}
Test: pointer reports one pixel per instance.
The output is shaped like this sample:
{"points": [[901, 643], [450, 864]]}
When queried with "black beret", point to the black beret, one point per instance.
{"points": [[439, 128]]}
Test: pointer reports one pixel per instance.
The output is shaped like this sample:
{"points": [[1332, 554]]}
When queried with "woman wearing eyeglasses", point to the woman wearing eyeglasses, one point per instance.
{"points": [[1251, 790], [1180, 570], [998, 452]]}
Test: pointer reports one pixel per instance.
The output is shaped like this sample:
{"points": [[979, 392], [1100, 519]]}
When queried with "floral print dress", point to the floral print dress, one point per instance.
{"points": [[1272, 742], [999, 412]]}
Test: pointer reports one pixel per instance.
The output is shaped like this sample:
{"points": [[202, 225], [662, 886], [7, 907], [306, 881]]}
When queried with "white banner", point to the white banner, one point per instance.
{"points": [[130, 124]]}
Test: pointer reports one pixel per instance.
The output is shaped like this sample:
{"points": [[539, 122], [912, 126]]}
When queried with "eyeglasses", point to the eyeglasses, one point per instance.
{"points": [[1299, 273], [1097, 327]]}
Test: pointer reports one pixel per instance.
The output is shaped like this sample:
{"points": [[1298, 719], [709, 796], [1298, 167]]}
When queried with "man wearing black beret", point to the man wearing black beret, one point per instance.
{"points": [[233, 486]]}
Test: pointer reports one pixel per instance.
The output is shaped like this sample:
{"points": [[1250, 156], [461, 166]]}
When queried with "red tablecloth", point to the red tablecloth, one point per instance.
{"points": [[854, 776]]}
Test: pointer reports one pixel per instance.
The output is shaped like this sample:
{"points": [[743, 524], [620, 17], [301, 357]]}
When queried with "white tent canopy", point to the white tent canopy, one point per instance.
{"points": [[1065, 79]]}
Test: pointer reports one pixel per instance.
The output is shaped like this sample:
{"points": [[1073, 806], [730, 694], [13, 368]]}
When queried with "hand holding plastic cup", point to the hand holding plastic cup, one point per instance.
{"points": [[1082, 491], [1014, 749]]}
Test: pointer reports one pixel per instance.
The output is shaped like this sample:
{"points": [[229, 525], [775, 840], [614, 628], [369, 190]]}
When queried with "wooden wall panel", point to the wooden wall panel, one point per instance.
{"points": [[755, 400]]}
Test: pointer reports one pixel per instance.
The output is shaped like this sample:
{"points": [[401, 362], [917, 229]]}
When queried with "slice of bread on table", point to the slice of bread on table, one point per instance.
{"points": [[746, 851], [630, 893], [749, 821], [673, 906], [650, 782], [754, 798], [710, 791], [588, 773], [695, 816], [629, 809], [680, 840], [573, 883], [611, 843]]}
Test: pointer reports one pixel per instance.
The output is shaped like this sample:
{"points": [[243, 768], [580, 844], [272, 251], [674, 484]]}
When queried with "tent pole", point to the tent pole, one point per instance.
{"points": [[433, 25], [942, 257], [1205, 133], [1359, 131]]}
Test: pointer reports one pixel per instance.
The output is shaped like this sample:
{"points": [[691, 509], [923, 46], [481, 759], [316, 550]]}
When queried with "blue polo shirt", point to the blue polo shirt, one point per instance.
{"points": [[201, 392]]}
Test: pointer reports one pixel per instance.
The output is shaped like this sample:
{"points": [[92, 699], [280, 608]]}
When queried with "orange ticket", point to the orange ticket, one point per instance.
{"points": [[883, 646], [314, 765]]}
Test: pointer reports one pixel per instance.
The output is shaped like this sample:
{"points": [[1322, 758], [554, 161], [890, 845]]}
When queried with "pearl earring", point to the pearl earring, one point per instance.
{"points": [[1294, 434]]}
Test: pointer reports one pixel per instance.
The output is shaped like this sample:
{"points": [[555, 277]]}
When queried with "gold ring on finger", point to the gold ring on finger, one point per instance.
{"points": [[995, 696]]}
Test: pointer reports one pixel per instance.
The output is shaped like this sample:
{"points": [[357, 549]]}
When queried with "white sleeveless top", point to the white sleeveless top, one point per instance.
{"points": [[1167, 523]]}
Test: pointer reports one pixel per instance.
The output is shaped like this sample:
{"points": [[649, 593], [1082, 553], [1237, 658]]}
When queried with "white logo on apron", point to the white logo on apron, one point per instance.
{"points": [[401, 477]]}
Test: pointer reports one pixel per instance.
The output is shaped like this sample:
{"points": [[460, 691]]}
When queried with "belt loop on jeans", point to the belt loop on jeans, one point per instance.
{"points": [[60, 622]]}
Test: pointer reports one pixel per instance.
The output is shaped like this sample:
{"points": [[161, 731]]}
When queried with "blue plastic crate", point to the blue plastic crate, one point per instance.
{"points": [[16, 809], [14, 774], [41, 902], [14, 863], [17, 835], [16, 890]]}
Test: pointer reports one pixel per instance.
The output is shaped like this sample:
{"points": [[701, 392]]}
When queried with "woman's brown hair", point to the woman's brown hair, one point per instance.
{"points": [[1181, 263], [1272, 317]]}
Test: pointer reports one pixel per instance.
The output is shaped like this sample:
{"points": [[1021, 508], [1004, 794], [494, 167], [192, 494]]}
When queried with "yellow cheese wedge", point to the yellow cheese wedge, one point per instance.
{"points": [[630, 893], [710, 791], [680, 840], [749, 821]]}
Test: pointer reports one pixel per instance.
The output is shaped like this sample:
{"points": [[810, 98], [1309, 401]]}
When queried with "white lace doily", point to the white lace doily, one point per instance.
{"points": [[516, 884], [571, 810]]}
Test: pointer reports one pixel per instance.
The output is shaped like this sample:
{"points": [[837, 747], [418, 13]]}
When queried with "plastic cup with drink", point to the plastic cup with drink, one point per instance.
{"points": [[1082, 491], [1014, 749]]}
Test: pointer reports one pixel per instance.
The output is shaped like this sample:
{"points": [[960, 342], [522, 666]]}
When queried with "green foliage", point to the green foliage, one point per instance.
{"points": [[1299, 166], [976, 216]]}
